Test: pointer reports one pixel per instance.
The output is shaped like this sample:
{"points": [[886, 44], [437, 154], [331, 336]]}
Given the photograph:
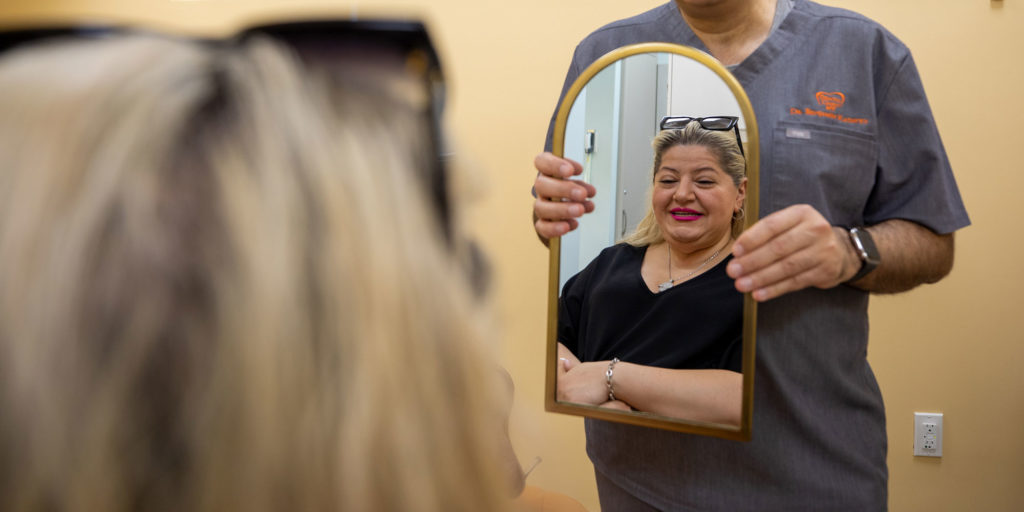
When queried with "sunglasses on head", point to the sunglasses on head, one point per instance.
{"points": [[716, 123], [351, 45], [355, 45]]}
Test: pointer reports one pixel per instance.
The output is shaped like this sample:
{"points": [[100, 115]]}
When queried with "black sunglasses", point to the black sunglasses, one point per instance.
{"points": [[340, 44], [327, 44], [716, 123]]}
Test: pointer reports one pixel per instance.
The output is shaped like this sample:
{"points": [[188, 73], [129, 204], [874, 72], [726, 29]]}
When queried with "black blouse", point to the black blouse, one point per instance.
{"points": [[606, 311]]}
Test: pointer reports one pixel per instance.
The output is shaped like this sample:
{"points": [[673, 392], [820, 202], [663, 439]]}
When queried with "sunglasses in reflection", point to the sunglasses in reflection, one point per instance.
{"points": [[716, 123], [351, 48]]}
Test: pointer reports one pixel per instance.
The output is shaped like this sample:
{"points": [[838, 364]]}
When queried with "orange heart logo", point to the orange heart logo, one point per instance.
{"points": [[830, 100]]}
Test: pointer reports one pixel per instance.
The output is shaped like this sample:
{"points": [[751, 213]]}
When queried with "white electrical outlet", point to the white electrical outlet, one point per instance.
{"points": [[928, 434]]}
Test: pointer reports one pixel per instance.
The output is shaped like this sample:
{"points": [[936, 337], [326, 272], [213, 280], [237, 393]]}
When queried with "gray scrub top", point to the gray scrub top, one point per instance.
{"points": [[845, 127]]}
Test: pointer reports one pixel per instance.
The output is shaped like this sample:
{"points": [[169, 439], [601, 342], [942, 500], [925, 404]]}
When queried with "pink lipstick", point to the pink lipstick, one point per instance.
{"points": [[685, 214]]}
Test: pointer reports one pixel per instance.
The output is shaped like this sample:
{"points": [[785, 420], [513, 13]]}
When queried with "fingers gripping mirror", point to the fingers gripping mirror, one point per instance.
{"points": [[624, 343]]}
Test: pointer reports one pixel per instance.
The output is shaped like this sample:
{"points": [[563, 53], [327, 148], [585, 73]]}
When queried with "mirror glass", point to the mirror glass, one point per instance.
{"points": [[607, 122]]}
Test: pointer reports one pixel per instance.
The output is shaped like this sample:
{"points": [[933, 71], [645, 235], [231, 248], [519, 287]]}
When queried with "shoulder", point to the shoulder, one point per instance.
{"points": [[837, 15], [610, 261], [843, 43], [613, 259], [619, 253], [852, 27]]}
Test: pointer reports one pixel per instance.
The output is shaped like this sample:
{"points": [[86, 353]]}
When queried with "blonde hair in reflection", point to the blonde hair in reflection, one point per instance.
{"points": [[222, 288], [721, 144]]}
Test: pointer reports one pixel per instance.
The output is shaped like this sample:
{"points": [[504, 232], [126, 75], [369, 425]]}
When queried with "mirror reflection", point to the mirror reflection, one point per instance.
{"points": [[650, 329], [609, 130]]}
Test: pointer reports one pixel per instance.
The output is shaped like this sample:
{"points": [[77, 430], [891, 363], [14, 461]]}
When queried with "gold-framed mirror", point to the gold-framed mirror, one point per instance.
{"points": [[607, 122]]}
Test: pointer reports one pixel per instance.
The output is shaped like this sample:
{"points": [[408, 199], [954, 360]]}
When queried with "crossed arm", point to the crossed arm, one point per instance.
{"points": [[714, 396]]}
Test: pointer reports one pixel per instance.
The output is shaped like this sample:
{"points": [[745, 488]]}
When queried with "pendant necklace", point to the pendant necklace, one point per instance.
{"points": [[672, 282]]}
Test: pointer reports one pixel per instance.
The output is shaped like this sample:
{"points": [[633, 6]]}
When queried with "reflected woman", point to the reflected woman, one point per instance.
{"points": [[653, 323]]}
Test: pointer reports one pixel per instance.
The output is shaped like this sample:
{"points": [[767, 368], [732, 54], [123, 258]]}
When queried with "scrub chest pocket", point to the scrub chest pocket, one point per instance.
{"points": [[829, 167]]}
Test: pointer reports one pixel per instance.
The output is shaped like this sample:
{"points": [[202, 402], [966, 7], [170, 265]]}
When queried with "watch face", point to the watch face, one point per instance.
{"points": [[866, 249], [858, 246], [866, 243]]}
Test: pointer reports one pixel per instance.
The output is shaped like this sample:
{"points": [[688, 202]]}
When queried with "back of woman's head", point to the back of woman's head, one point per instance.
{"points": [[223, 287]]}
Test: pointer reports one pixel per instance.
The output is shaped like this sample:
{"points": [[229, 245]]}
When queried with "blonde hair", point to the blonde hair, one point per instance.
{"points": [[721, 144], [223, 288]]}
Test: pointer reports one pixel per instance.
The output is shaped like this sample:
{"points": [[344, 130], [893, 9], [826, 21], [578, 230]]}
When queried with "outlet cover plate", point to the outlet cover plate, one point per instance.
{"points": [[928, 434]]}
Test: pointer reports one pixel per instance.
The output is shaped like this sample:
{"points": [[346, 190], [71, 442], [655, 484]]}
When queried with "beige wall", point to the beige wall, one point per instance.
{"points": [[954, 347]]}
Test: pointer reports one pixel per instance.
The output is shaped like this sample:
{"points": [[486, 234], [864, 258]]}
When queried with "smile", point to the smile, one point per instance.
{"points": [[685, 214]]}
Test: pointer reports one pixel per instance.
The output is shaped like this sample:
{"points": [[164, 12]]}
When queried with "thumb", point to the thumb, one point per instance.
{"points": [[568, 363]]}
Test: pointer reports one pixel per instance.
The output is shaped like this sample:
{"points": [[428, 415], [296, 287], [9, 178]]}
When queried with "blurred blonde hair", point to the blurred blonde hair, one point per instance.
{"points": [[721, 144], [222, 288]]}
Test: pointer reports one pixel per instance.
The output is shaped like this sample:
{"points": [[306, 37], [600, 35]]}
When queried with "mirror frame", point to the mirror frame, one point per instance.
{"points": [[752, 147]]}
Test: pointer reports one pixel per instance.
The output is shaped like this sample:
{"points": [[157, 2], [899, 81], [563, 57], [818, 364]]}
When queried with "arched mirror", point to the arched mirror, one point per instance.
{"points": [[607, 122]]}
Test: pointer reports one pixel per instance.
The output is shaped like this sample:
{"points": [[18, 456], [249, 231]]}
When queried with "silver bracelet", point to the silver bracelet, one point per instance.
{"points": [[608, 377]]}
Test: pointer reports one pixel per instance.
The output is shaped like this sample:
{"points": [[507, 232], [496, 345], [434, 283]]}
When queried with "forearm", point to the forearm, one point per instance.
{"points": [[911, 255], [565, 354], [714, 396]]}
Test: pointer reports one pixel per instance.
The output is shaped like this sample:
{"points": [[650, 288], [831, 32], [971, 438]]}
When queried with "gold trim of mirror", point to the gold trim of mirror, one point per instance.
{"points": [[752, 147]]}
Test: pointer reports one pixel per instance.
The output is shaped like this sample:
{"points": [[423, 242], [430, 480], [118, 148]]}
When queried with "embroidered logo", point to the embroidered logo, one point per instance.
{"points": [[830, 100]]}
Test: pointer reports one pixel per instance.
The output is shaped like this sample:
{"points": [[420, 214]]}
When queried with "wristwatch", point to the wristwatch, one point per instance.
{"points": [[865, 248]]}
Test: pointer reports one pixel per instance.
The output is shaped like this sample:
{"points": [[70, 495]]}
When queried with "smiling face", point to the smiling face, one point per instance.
{"points": [[694, 199]]}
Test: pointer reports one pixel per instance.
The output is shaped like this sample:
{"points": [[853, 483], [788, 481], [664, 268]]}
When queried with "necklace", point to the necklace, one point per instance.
{"points": [[672, 282]]}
